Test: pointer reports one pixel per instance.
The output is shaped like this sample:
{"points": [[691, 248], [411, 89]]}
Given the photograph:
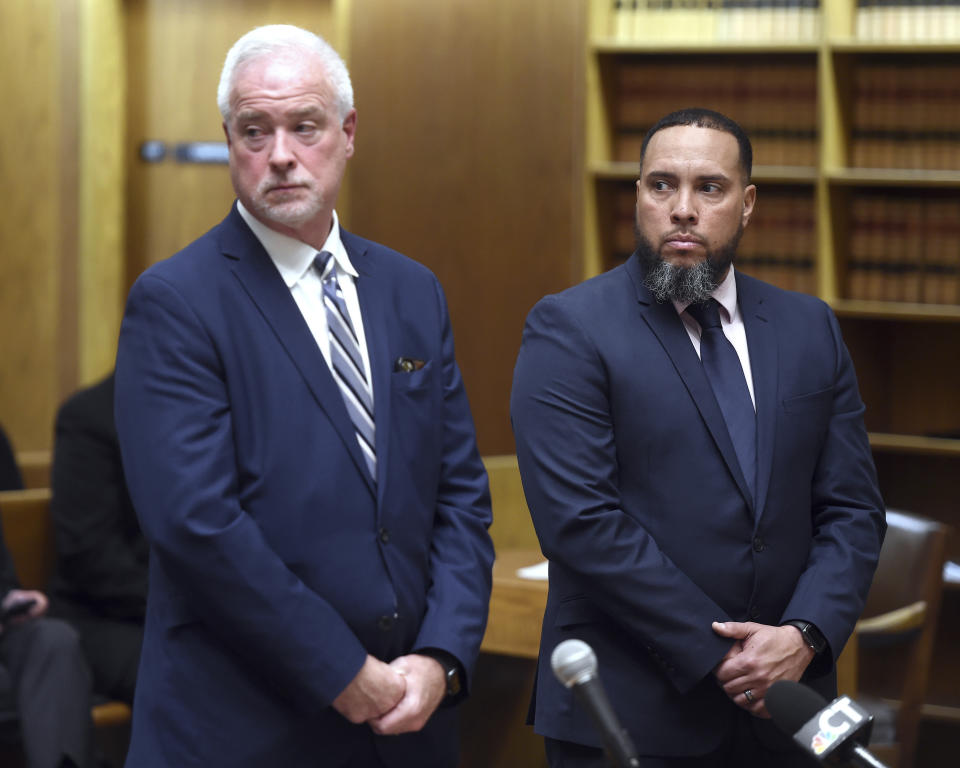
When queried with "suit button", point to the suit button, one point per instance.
{"points": [[754, 613], [758, 545], [385, 622], [384, 535]]}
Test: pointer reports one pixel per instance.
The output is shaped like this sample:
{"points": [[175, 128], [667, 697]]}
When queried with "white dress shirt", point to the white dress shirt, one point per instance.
{"points": [[294, 261], [731, 321]]}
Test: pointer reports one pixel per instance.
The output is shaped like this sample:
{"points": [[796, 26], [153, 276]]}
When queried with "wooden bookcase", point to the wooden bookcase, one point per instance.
{"points": [[904, 337]]}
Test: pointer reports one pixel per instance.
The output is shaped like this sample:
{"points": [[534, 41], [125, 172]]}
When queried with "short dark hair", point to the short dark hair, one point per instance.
{"points": [[705, 118]]}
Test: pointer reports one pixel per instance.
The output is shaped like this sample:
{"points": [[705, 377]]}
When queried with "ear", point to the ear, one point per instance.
{"points": [[749, 200], [349, 128], [226, 133]]}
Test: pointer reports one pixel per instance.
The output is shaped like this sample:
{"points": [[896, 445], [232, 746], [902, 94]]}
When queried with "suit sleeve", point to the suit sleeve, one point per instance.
{"points": [[567, 452], [99, 558], [174, 421], [848, 517], [461, 552]]}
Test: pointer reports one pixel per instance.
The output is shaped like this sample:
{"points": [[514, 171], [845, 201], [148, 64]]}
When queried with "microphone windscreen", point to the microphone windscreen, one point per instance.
{"points": [[573, 661], [792, 705]]}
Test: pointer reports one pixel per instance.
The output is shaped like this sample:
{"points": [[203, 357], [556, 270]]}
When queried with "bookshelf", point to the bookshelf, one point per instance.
{"points": [[854, 111]]}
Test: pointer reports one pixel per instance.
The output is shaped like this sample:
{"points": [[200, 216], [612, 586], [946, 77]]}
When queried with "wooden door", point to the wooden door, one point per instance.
{"points": [[175, 50]]}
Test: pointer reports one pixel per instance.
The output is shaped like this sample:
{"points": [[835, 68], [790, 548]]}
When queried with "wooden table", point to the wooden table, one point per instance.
{"points": [[516, 607]]}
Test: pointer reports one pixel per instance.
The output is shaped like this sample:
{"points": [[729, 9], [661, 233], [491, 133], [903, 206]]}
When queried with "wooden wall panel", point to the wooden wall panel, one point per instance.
{"points": [[468, 118], [30, 218]]}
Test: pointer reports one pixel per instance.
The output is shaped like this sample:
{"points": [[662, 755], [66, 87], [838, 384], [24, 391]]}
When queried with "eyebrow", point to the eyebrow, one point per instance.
{"points": [[246, 115], [704, 177]]}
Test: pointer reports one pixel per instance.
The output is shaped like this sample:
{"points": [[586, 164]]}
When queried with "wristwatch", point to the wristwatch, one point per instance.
{"points": [[812, 636], [451, 669]]}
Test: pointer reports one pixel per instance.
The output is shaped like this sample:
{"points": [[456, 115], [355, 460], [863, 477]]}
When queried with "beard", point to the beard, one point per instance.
{"points": [[684, 285], [293, 208]]}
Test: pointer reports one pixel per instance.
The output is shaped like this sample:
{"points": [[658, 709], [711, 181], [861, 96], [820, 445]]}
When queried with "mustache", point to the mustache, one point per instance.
{"points": [[274, 182], [681, 235]]}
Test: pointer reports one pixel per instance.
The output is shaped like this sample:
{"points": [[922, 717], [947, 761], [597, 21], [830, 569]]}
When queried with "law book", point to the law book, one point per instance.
{"points": [[876, 237], [910, 255]]}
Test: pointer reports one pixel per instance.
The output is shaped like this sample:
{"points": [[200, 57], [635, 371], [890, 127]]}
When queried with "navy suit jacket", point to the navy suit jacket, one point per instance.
{"points": [[276, 564], [643, 512]]}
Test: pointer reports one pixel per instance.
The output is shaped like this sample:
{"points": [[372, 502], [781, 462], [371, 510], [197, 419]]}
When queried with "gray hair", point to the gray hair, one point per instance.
{"points": [[279, 38]]}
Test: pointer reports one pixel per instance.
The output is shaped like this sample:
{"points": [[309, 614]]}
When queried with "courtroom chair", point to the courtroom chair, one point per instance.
{"points": [[35, 468], [28, 533], [892, 644]]}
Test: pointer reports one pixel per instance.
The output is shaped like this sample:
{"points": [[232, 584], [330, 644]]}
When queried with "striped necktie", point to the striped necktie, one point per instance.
{"points": [[347, 361], [725, 373]]}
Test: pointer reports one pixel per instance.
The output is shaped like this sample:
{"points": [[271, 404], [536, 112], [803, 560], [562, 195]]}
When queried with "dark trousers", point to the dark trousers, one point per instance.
{"points": [[112, 648], [739, 749], [52, 689]]}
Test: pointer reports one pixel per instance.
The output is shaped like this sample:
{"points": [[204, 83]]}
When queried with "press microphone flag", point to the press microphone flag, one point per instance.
{"points": [[575, 665], [833, 733]]}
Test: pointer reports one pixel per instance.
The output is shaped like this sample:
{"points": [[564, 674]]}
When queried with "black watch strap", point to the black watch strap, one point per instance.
{"points": [[451, 669], [812, 636]]}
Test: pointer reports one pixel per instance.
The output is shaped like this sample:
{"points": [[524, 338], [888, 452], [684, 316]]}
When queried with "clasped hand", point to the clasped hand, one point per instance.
{"points": [[761, 655], [393, 698]]}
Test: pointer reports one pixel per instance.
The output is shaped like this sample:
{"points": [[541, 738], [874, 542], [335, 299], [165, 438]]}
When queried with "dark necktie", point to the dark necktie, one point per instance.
{"points": [[725, 373], [347, 361]]}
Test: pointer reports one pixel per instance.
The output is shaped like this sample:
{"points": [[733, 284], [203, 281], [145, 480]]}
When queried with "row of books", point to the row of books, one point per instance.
{"points": [[714, 20], [908, 20], [906, 114], [774, 100], [904, 247], [778, 246]]}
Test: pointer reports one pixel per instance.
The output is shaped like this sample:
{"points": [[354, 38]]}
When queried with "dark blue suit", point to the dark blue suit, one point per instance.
{"points": [[276, 565], [641, 507]]}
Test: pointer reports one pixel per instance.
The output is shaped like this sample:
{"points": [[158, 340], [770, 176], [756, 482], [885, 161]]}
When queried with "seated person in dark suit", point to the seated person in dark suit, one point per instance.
{"points": [[43, 675], [101, 579], [10, 479]]}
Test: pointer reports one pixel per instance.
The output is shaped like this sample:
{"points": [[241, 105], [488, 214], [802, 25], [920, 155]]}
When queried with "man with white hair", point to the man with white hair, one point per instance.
{"points": [[300, 451]]}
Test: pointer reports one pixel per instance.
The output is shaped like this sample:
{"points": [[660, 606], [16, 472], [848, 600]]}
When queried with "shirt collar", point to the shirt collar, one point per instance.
{"points": [[725, 294], [293, 257]]}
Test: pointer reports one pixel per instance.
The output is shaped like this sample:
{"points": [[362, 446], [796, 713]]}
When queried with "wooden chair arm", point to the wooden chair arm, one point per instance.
{"points": [[904, 619]]}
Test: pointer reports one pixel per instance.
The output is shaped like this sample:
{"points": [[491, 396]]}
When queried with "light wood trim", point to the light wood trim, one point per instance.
{"points": [[889, 177], [101, 264], [516, 607], [838, 18], [926, 446], [28, 534], [783, 174], [512, 527], [69, 137], [35, 468], [850, 45], [641, 47], [896, 310], [110, 713], [903, 619]]}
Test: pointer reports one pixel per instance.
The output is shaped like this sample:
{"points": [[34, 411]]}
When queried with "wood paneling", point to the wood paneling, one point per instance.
{"points": [[175, 50], [99, 289], [31, 217], [468, 114]]}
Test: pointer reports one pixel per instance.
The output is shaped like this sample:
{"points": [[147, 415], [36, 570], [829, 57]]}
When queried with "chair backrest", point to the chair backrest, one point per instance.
{"points": [[28, 533], [911, 564], [899, 622]]}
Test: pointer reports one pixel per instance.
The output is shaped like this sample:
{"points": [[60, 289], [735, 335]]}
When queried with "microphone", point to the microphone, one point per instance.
{"points": [[835, 733], [575, 665]]}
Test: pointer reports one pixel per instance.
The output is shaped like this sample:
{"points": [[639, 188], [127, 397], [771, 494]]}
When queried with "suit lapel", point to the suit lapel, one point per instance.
{"points": [[762, 345], [670, 331], [373, 291], [262, 282]]}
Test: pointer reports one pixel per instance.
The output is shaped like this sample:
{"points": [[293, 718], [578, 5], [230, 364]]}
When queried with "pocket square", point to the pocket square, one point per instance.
{"points": [[407, 365]]}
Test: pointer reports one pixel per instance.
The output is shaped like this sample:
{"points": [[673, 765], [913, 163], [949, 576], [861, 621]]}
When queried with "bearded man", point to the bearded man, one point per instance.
{"points": [[693, 454]]}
